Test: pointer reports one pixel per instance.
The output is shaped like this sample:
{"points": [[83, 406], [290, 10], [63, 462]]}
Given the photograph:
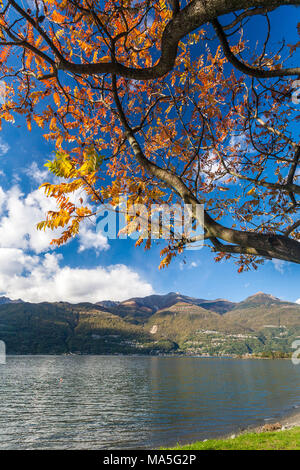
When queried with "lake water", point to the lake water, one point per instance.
{"points": [[127, 402]]}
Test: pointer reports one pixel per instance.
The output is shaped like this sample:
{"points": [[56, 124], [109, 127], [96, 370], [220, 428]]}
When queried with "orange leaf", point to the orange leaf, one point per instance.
{"points": [[4, 54], [56, 98], [104, 59], [57, 17], [59, 141]]}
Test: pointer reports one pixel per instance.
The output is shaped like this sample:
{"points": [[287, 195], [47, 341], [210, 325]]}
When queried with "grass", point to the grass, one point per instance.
{"points": [[277, 440]]}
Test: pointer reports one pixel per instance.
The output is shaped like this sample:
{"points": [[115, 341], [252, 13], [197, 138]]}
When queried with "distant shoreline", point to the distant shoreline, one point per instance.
{"points": [[229, 356], [261, 326]]}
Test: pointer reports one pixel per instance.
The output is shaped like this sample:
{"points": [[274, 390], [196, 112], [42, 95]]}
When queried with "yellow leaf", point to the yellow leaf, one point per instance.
{"points": [[39, 41], [252, 190]]}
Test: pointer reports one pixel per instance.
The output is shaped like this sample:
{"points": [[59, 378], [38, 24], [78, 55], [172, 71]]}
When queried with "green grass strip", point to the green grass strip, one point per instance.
{"points": [[277, 440]]}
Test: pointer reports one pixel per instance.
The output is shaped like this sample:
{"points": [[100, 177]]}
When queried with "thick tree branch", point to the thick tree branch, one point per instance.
{"points": [[39, 29], [193, 16], [245, 242], [292, 228], [294, 166]]}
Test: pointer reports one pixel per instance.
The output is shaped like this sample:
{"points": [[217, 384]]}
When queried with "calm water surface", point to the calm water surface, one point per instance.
{"points": [[118, 402]]}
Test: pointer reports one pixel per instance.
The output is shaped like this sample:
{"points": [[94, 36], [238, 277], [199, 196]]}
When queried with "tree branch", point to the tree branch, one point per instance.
{"points": [[188, 19], [256, 72], [258, 244]]}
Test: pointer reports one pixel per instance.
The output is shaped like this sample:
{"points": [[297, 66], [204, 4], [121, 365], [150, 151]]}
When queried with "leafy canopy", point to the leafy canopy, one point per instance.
{"points": [[160, 101]]}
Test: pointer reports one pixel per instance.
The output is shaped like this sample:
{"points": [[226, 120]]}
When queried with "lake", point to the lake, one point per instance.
{"points": [[128, 402]]}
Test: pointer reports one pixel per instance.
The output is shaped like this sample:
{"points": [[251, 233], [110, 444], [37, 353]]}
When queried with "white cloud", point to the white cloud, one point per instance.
{"points": [[38, 175], [20, 214], [279, 265], [41, 278], [193, 264], [32, 4], [213, 169], [181, 265], [2, 199], [90, 239], [28, 272], [14, 262], [4, 147], [238, 141]]}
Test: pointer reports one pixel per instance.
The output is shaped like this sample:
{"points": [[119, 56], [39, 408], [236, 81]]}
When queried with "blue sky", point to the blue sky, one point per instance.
{"points": [[91, 268]]}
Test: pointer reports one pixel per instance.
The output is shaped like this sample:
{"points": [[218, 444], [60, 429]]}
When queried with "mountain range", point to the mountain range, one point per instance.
{"points": [[261, 324], [6, 300]]}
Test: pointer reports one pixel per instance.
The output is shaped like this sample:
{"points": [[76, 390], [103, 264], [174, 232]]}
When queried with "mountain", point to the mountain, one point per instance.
{"points": [[157, 302], [220, 306], [259, 299], [6, 300], [260, 324], [265, 311], [140, 309], [108, 303], [60, 327], [183, 320]]}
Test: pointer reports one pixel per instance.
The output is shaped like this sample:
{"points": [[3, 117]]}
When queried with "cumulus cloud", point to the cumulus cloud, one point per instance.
{"points": [[30, 272], [41, 278], [298, 301], [2, 199], [90, 239], [20, 214]]}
